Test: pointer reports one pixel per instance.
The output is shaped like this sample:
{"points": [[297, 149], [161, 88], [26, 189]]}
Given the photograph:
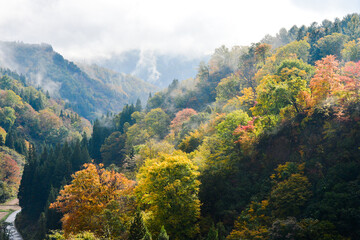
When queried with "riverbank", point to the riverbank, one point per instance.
{"points": [[13, 232]]}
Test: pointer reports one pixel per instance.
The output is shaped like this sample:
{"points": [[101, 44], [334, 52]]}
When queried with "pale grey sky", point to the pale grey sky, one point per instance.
{"points": [[85, 29]]}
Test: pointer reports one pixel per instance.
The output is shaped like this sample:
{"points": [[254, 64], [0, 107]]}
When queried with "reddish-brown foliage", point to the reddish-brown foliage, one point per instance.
{"points": [[181, 117]]}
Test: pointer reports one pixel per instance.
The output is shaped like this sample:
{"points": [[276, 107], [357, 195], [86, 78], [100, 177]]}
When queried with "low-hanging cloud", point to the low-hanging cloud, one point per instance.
{"points": [[146, 67], [37, 79], [6, 59], [85, 29]]}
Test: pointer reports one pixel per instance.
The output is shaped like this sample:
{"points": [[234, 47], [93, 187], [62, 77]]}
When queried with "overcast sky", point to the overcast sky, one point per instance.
{"points": [[85, 29]]}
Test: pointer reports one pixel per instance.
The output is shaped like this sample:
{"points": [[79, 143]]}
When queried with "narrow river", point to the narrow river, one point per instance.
{"points": [[14, 234]]}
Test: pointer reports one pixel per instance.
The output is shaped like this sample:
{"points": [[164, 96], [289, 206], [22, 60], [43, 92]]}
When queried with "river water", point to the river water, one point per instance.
{"points": [[14, 234]]}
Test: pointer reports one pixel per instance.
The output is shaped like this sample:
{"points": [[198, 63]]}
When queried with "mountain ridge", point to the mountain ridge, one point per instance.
{"points": [[154, 67], [45, 68]]}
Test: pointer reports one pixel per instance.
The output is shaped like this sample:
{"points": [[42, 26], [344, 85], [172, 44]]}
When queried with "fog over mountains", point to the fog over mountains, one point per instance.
{"points": [[153, 67], [90, 90], [105, 85]]}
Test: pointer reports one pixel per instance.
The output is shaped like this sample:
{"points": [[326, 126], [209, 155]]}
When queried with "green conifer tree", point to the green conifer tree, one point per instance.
{"points": [[137, 229], [212, 234], [10, 142], [41, 234], [84, 140], [163, 235], [52, 216], [221, 231], [76, 158], [147, 236], [138, 105]]}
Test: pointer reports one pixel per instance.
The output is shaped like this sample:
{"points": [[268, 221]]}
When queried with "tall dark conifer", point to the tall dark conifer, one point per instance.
{"points": [[96, 141], [10, 141], [163, 235], [212, 234], [26, 184], [137, 228], [76, 160], [147, 236], [138, 106], [52, 216]]}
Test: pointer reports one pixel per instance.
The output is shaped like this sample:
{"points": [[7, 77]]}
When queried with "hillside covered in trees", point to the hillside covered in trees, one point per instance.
{"points": [[89, 90], [153, 67], [262, 144], [30, 117]]}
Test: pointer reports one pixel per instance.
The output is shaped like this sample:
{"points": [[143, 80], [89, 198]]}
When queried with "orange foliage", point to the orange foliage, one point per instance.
{"points": [[327, 80], [91, 191], [181, 117], [9, 170], [306, 101], [261, 51], [351, 78]]}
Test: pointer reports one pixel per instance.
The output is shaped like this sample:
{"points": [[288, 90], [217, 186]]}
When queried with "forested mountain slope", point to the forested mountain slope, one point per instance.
{"points": [[29, 117], [132, 87], [153, 67], [263, 145], [45, 68]]}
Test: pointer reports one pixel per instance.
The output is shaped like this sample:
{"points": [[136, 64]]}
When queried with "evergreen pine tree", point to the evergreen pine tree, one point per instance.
{"points": [[75, 159], [39, 103], [222, 233], [31, 98], [66, 151], [41, 234], [138, 106], [52, 216], [60, 170], [19, 146], [84, 140], [26, 184], [96, 141], [163, 235], [10, 142], [85, 157], [137, 229], [212, 234], [147, 236], [44, 155], [125, 117], [1, 140]]}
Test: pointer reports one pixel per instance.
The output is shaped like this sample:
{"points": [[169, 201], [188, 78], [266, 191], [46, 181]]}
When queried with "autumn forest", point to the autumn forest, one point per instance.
{"points": [[263, 143]]}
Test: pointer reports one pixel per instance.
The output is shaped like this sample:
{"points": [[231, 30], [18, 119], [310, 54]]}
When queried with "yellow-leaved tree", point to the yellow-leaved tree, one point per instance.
{"points": [[98, 201], [168, 191]]}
